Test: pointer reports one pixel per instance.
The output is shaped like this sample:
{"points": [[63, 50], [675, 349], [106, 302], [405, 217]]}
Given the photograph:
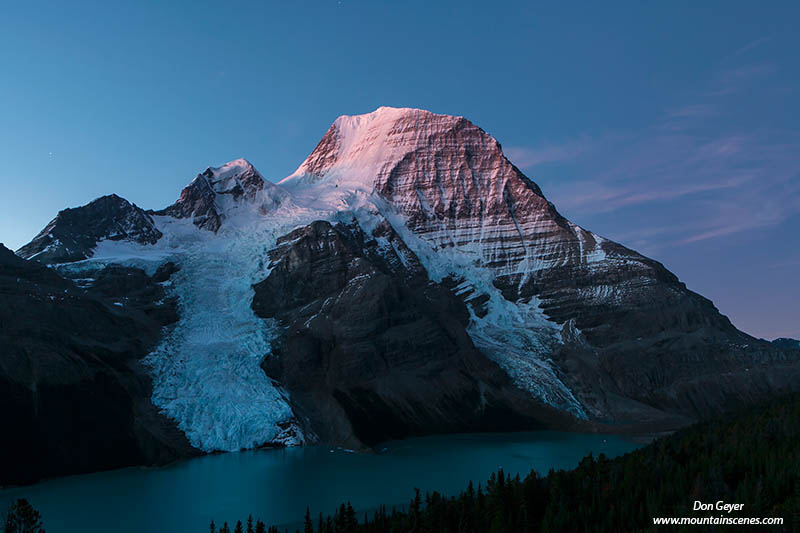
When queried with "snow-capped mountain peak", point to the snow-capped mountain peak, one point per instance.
{"points": [[362, 154], [225, 191], [574, 321], [237, 166], [237, 177], [355, 148]]}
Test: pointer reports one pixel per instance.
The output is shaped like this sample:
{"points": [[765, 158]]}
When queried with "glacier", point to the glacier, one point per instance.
{"points": [[206, 372]]}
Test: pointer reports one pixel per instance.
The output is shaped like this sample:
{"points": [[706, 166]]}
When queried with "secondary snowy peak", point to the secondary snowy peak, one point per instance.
{"points": [[238, 178], [74, 233], [222, 192]]}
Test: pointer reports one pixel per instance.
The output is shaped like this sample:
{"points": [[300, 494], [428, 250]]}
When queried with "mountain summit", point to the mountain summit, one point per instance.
{"points": [[219, 192], [74, 233], [406, 279]]}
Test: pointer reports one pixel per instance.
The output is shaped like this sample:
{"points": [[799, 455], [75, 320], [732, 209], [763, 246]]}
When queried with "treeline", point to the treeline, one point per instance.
{"points": [[752, 457]]}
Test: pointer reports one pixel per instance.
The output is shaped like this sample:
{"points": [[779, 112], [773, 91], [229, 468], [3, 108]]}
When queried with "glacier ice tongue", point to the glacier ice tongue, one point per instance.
{"points": [[206, 373], [520, 339]]}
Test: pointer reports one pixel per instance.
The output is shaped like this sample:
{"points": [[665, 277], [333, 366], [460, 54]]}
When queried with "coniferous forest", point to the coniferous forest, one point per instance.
{"points": [[751, 457]]}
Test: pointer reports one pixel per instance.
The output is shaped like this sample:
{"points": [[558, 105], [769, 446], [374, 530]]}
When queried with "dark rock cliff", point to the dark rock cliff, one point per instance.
{"points": [[75, 397], [373, 350]]}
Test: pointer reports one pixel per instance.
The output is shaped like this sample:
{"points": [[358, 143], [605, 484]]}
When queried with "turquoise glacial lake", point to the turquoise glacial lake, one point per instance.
{"points": [[277, 485]]}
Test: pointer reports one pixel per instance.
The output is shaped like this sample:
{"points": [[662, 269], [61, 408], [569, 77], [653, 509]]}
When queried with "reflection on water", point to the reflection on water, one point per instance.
{"points": [[276, 485]]}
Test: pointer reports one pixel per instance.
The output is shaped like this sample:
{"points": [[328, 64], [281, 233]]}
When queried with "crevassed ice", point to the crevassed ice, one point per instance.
{"points": [[520, 339], [206, 372]]}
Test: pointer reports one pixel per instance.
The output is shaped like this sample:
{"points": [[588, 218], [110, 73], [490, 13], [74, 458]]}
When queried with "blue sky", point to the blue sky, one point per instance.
{"points": [[672, 127]]}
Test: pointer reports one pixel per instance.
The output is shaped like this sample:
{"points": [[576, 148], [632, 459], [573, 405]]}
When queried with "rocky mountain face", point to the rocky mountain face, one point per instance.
{"points": [[372, 349], [636, 343], [407, 278], [73, 392], [74, 233]]}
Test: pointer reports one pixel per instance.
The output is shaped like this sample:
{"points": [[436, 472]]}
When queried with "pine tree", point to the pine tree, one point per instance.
{"points": [[250, 524], [21, 517], [212, 528], [308, 526], [238, 528], [414, 510], [350, 519], [339, 519]]}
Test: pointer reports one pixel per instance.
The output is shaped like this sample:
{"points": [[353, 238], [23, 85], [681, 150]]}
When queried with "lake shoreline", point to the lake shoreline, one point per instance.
{"points": [[279, 483]]}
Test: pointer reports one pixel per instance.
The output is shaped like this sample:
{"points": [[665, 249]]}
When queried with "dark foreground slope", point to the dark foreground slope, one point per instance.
{"points": [[751, 457], [74, 394]]}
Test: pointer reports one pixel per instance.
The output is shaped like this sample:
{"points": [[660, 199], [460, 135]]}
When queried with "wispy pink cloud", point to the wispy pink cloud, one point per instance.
{"points": [[786, 264], [734, 80], [692, 111], [752, 45], [553, 153], [723, 176], [735, 219]]}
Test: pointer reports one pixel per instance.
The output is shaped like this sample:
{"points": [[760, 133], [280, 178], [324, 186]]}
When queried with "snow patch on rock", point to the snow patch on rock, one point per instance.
{"points": [[516, 335]]}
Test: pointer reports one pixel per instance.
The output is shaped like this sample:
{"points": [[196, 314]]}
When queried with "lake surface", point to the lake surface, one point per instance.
{"points": [[276, 485]]}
